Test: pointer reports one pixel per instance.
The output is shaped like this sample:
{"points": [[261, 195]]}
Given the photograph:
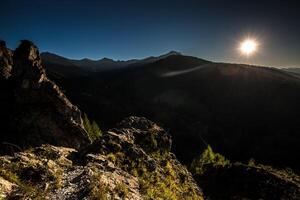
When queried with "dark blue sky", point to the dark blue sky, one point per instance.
{"points": [[135, 29]]}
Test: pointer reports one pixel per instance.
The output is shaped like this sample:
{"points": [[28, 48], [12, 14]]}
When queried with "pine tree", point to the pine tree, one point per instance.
{"points": [[206, 159], [96, 132], [86, 123], [92, 129]]}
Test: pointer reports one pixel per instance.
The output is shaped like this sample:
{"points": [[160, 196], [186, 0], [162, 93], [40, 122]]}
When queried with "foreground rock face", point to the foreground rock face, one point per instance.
{"points": [[34, 110], [116, 166]]}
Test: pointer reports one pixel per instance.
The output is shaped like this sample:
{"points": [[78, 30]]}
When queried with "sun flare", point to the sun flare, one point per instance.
{"points": [[248, 47]]}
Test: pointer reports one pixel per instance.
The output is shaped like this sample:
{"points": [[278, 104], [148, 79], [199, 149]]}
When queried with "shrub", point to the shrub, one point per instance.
{"points": [[97, 189], [208, 158], [251, 162]]}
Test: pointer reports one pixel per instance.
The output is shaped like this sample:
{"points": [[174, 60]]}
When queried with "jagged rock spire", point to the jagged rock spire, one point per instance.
{"points": [[27, 64], [5, 61], [41, 112]]}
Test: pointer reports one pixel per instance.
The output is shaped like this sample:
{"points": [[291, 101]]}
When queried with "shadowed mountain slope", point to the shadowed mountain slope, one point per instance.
{"points": [[242, 111], [293, 71]]}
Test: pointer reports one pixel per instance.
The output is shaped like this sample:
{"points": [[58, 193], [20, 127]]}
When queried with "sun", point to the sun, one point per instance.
{"points": [[248, 47]]}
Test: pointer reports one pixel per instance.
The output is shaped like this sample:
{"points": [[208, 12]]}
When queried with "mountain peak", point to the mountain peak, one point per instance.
{"points": [[106, 60], [87, 60], [173, 53]]}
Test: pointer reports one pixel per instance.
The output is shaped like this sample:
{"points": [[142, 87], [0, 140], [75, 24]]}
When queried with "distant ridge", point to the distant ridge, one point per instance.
{"points": [[103, 64], [232, 106], [293, 71]]}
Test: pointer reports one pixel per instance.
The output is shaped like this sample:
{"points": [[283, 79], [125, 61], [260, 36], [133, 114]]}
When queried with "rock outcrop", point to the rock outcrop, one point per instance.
{"points": [[116, 166], [35, 110], [131, 161], [244, 181], [5, 61]]}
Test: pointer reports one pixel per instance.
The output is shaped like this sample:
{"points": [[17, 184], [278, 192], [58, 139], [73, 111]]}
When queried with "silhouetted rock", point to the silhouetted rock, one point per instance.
{"points": [[240, 181], [39, 112]]}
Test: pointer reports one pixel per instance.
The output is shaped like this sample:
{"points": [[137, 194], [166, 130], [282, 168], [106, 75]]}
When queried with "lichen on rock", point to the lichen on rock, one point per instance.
{"points": [[142, 149], [101, 170]]}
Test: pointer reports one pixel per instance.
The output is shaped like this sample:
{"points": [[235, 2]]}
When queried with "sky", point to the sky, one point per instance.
{"points": [[124, 29]]}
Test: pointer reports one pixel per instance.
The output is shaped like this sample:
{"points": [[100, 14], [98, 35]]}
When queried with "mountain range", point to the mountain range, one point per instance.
{"points": [[104, 64], [234, 127], [50, 150], [243, 111]]}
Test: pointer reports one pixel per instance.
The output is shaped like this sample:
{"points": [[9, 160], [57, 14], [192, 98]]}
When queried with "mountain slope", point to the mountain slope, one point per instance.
{"points": [[293, 71], [240, 181], [59, 67], [242, 111]]}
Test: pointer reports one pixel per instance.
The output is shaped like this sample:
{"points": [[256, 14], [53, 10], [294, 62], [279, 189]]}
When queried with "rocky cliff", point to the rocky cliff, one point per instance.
{"points": [[34, 110], [131, 161]]}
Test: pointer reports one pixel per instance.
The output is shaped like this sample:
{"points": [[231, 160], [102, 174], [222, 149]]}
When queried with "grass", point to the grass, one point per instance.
{"points": [[98, 190], [29, 178], [27, 190], [162, 183], [122, 190]]}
